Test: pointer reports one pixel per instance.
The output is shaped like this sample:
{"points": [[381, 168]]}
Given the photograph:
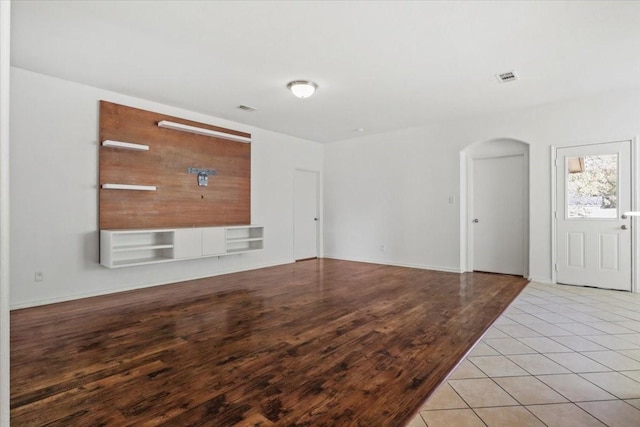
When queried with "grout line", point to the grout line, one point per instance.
{"points": [[601, 388], [539, 292], [422, 418], [479, 417], [594, 415]]}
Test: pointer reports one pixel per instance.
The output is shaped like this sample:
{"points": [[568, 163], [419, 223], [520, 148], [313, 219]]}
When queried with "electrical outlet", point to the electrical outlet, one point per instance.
{"points": [[39, 276], [382, 248]]}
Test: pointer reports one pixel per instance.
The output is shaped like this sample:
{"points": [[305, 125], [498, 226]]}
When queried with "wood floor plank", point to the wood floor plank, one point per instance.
{"points": [[316, 343]]}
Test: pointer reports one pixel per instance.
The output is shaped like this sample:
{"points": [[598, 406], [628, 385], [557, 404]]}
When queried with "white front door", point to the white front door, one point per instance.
{"points": [[498, 215], [593, 240], [305, 215]]}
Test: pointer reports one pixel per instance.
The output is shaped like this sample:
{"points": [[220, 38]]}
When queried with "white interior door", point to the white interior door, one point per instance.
{"points": [[498, 222], [592, 237], [305, 215]]}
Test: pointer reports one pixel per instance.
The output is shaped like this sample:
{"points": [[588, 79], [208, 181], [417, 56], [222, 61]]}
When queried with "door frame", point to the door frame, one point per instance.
{"points": [[319, 208], [635, 200], [5, 225], [466, 199]]}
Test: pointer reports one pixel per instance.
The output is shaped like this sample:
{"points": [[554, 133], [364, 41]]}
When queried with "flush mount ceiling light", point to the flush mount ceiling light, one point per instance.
{"points": [[302, 88]]}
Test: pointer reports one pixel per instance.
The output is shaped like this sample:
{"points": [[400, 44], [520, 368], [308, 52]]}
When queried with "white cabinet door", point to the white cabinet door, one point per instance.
{"points": [[213, 241], [187, 243], [198, 242], [592, 237]]}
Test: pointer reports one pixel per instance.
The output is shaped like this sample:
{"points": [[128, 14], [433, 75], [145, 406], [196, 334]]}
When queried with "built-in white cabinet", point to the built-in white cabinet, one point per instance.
{"points": [[124, 248]]}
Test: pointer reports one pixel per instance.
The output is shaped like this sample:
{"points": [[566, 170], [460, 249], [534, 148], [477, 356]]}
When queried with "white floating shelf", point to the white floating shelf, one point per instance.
{"points": [[124, 145], [132, 248], [239, 250], [128, 187], [140, 261], [243, 239], [201, 131]]}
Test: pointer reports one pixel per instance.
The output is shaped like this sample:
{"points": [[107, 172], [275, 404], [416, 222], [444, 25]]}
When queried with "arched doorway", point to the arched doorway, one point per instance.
{"points": [[495, 207]]}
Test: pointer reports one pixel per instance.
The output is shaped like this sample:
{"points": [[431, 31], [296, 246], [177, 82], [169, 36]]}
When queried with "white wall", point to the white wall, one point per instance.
{"points": [[5, 49], [54, 196], [394, 189], [391, 189]]}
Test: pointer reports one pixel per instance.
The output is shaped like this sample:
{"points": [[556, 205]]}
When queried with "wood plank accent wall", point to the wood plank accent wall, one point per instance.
{"points": [[178, 200]]}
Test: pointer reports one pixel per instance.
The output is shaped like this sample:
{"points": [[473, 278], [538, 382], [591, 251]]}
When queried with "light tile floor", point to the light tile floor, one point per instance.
{"points": [[559, 356]]}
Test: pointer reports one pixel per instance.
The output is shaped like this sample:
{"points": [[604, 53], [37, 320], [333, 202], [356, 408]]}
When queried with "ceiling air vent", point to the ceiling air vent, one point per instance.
{"points": [[509, 76], [246, 108]]}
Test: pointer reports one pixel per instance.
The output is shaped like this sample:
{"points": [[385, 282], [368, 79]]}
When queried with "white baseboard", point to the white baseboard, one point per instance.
{"points": [[397, 264], [544, 281], [137, 286], [237, 270]]}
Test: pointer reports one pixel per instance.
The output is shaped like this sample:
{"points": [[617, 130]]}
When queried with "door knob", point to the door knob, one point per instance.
{"points": [[315, 219], [624, 226], [476, 220]]}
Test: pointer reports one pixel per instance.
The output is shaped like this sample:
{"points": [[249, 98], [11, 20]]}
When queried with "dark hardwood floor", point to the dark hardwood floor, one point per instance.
{"points": [[314, 343]]}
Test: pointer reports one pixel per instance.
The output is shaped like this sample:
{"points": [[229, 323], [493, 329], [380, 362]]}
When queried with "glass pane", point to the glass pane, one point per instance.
{"points": [[592, 186]]}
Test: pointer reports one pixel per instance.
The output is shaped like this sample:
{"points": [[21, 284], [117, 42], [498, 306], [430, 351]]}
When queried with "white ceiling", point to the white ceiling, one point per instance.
{"points": [[379, 65]]}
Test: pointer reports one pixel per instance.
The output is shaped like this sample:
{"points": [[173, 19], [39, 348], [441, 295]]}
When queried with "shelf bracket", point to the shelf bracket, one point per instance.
{"points": [[203, 175]]}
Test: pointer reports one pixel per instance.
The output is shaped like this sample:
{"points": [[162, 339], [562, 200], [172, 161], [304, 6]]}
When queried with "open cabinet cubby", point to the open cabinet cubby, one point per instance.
{"points": [[122, 248], [244, 239]]}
